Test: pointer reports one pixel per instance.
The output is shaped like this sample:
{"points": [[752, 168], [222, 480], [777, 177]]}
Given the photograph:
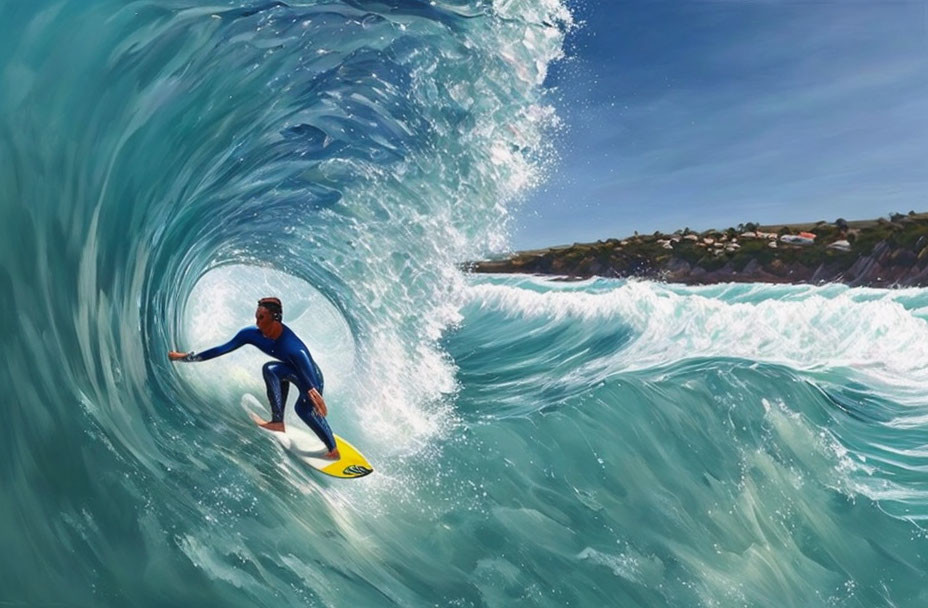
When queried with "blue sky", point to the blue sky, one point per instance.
{"points": [[702, 114]]}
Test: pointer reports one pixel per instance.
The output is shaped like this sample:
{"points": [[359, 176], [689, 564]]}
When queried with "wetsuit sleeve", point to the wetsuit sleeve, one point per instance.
{"points": [[240, 340], [307, 370]]}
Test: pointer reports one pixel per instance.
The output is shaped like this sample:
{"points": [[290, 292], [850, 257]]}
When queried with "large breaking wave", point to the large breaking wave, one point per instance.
{"points": [[163, 163]]}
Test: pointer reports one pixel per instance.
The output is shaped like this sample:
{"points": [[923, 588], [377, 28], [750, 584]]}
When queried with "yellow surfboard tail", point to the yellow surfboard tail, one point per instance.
{"points": [[351, 464]]}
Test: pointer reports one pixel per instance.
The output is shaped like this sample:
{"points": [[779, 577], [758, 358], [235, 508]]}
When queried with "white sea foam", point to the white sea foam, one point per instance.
{"points": [[808, 329]]}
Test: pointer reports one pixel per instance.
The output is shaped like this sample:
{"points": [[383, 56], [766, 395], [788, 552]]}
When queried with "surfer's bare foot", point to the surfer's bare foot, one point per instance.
{"points": [[333, 455], [273, 426]]}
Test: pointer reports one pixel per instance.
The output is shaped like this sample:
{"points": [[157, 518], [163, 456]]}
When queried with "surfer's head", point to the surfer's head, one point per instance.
{"points": [[269, 311]]}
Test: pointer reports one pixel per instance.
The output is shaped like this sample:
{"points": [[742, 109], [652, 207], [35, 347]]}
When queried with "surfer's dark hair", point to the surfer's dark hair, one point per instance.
{"points": [[274, 306]]}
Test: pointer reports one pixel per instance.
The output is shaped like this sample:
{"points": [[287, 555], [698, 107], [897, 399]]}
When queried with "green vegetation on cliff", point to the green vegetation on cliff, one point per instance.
{"points": [[881, 252]]}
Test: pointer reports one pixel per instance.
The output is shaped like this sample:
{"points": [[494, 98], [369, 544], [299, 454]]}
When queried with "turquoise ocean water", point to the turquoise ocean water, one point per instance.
{"points": [[537, 443]]}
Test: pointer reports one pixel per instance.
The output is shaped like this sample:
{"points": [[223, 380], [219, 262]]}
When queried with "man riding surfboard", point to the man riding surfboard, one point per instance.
{"points": [[293, 364]]}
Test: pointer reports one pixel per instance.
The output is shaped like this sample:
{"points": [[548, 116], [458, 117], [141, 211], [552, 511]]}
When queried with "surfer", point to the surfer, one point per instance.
{"points": [[293, 364]]}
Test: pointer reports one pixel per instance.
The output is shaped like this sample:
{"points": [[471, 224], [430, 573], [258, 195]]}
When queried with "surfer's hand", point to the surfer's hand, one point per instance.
{"points": [[318, 402], [176, 356]]}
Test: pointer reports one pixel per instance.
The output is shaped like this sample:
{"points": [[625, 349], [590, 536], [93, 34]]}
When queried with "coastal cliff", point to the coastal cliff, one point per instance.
{"points": [[890, 252]]}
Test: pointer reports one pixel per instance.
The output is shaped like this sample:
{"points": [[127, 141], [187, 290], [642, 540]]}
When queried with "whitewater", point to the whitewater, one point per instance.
{"points": [[165, 163]]}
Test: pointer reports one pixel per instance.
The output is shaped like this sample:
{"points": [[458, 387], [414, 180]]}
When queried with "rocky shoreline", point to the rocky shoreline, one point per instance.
{"points": [[887, 252]]}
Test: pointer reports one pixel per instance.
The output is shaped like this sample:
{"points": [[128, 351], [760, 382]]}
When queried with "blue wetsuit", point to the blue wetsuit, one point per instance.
{"points": [[294, 364]]}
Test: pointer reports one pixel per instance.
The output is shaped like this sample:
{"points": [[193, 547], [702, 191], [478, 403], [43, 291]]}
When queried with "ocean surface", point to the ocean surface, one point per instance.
{"points": [[164, 163]]}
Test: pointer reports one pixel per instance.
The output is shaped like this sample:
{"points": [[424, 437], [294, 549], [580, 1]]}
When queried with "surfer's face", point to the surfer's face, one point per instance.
{"points": [[264, 319]]}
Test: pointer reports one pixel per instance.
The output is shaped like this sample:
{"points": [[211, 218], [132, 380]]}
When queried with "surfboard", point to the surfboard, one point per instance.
{"points": [[306, 447]]}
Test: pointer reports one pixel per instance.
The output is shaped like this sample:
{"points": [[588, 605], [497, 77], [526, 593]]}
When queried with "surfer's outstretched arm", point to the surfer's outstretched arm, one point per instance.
{"points": [[240, 340]]}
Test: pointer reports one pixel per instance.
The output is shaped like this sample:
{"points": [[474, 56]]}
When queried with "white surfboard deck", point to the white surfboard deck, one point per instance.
{"points": [[305, 446]]}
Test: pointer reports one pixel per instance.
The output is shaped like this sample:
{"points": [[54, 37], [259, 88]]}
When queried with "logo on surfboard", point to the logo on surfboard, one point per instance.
{"points": [[357, 470]]}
